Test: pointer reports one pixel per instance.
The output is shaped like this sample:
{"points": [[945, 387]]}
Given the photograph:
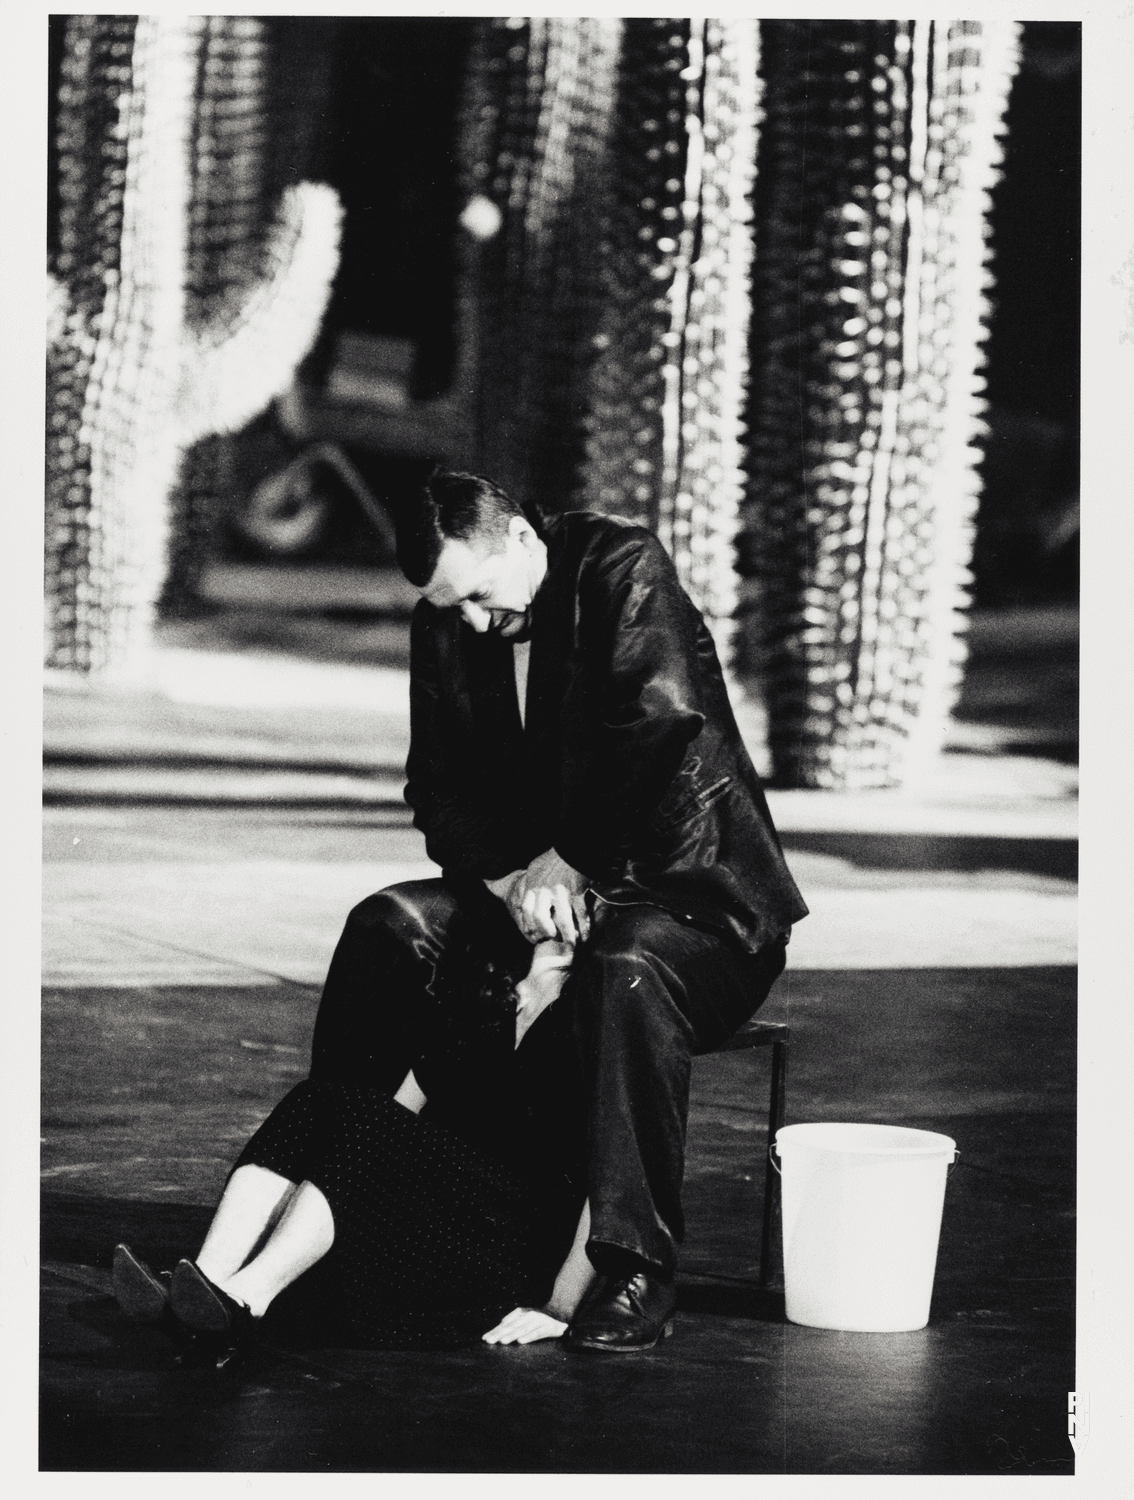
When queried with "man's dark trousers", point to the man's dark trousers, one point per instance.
{"points": [[647, 992]]}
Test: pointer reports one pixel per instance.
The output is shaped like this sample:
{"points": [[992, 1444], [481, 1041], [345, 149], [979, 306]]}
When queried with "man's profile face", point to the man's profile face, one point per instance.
{"points": [[492, 588]]}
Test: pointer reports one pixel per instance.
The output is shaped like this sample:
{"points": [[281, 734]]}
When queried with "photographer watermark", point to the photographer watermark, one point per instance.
{"points": [[1078, 1418]]}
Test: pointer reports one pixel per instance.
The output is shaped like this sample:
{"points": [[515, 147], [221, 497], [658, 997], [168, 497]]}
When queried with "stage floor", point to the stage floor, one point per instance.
{"points": [[150, 1090]]}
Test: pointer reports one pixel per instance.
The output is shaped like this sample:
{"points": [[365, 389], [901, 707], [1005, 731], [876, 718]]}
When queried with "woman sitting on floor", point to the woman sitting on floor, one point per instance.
{"points": [[453, 1210]]}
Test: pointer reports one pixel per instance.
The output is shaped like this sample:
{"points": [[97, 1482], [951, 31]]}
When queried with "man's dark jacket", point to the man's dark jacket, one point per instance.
{"points": [[631, 765]]}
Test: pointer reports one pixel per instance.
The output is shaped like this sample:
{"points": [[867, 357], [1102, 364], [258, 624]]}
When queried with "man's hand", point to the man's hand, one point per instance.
{"points": [[502, 888], [525, 1325], [548, 901]]}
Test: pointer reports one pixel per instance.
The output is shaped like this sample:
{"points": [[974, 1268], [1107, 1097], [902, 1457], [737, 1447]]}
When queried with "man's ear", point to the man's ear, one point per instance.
{"points": [[521, 527]]}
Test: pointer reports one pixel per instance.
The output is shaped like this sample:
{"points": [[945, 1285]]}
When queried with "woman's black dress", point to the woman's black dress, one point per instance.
{"points": [[446, 1220]]}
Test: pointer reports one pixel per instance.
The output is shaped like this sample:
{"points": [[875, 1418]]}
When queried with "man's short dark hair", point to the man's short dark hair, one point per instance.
{"points": [[452, 507]]}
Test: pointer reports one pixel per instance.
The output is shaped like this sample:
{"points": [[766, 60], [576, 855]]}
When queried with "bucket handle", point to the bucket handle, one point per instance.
{"points": [[779, 1170]]}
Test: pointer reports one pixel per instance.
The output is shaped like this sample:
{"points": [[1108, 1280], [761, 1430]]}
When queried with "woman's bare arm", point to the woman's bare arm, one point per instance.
{"points": [[575, 1274], [527, 1325]]}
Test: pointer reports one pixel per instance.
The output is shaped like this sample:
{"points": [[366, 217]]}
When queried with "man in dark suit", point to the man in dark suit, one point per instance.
{"points": [[575, 764]]}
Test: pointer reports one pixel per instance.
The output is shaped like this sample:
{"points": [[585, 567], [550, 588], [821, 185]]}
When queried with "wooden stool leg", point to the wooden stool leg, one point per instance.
{"points": [[776, 1110]]}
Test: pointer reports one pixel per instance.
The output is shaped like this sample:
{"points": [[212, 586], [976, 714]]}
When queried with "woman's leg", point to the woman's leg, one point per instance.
{"points": [[250, 1209], [303, 1235]]}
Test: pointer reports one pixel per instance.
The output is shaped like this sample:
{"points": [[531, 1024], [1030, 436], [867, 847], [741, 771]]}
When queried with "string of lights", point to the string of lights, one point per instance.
{"points": [[91, 152], [616, 314], [173, 329], [613, 307], [702, 478], [879, 147], [535, 127]]}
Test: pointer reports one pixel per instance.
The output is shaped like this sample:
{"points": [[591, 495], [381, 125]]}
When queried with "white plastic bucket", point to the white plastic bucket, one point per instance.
{"points": [[862, 1216]]}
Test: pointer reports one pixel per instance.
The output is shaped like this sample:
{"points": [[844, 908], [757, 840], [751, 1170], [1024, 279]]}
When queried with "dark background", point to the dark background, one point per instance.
{"points": [[1025, 549]]}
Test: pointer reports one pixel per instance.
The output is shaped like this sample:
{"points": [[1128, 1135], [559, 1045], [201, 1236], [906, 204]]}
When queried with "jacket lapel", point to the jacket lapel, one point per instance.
{"points": [[553, 638]]}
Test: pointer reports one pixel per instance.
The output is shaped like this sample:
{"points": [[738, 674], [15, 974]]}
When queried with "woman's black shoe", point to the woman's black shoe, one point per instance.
{"points": [[143, 1297], [141, 1294], [200, 1305]]}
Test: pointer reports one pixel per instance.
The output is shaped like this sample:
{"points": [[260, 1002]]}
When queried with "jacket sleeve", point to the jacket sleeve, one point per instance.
{"points": [[462, 834], [640, 641]]}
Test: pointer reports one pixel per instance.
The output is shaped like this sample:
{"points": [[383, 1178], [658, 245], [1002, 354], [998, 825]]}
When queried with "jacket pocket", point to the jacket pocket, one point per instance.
{"points": [[685, 801]]}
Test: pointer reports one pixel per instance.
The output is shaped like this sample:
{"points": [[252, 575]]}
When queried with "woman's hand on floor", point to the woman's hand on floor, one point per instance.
{"points": [[525, 1325]]}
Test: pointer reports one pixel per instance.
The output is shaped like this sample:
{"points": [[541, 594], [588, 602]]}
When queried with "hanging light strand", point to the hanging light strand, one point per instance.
{"points": [[870, 290], [155, 368], [667, 388]]}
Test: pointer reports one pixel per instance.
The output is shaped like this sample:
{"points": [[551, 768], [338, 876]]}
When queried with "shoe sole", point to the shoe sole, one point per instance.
{"points": [[138, 1292], [598, 1347]]}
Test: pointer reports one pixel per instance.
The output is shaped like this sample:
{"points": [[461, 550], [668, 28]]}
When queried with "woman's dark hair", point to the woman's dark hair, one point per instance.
{"points": [[453, 506]]}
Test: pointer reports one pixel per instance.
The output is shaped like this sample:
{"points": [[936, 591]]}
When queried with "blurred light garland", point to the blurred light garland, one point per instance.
{"points": [[612, 307], [667, 388], [145, 364], [535, 125], [878, 151], [92, 151]]}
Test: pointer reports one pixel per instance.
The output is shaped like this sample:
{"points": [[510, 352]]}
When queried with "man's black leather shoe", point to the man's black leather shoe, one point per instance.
{"points": [[627, 1314]]}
